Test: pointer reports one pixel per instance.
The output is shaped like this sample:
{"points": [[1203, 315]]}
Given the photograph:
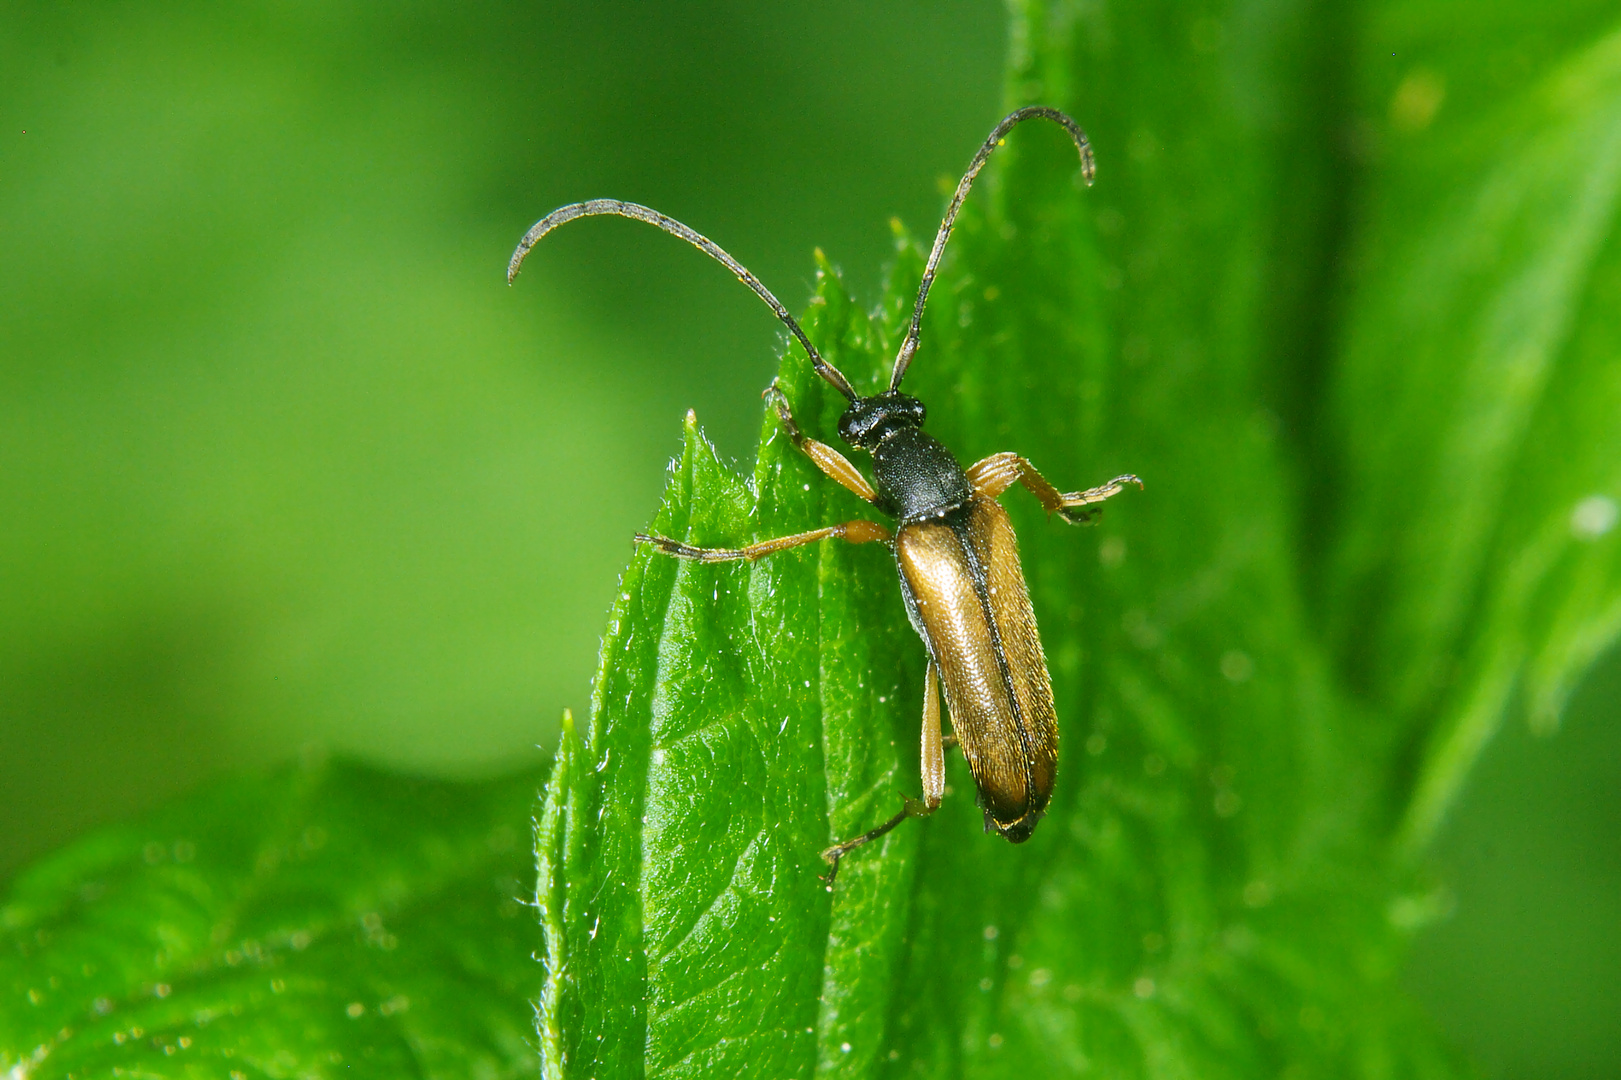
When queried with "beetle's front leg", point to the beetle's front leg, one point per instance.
{"points": [[995, 474], [934, 778], [829, 460]]}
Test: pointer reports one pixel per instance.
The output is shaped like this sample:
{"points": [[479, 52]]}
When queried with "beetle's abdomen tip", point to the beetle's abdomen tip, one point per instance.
{"points": [[1015, 832]]}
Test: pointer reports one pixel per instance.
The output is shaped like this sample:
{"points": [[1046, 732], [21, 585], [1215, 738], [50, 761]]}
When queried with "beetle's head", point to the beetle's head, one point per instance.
{"points": [[870, 420]]}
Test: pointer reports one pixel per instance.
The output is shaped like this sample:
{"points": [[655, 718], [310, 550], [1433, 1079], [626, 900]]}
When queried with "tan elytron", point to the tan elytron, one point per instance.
{"points": [[972, 609]]}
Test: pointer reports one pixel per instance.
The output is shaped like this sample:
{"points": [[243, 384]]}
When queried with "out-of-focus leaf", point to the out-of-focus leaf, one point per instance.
{"points": [[1475, 562], [315, 922], [1208, 895]]}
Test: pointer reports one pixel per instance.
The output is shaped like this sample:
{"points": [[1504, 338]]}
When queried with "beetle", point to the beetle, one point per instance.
{"points": [[954, 546]]}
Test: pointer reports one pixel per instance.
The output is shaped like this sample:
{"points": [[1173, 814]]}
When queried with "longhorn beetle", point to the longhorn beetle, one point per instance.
{"points": [[954, 545]]}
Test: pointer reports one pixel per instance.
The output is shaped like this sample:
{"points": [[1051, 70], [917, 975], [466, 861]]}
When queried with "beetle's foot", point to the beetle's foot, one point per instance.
{"points": [[912, 808], [1081, 507]]}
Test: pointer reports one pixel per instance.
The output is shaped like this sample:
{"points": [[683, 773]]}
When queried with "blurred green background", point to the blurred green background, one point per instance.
{"points": [[284, 463]]}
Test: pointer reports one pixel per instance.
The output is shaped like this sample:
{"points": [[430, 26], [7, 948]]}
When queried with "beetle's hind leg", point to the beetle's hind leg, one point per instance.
{"points": [[993, 475], [829, 460], [934, 779], [859, 531]]}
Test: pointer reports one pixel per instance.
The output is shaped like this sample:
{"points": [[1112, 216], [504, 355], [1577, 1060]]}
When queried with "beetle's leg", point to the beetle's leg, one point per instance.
{"points": [[995, 474], [1081, 507], [856, 532], [932, 743], [829, 460], [934, 779]]}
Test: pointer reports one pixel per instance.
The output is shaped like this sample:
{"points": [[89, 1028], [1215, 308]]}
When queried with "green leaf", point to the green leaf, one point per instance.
{"points": [[1210, 894], [322, 921], [1476, 568], [692, 924]]}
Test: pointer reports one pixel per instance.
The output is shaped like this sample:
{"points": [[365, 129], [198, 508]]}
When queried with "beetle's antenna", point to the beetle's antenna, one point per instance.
{"points": [[596, 207], [1088, 169]]}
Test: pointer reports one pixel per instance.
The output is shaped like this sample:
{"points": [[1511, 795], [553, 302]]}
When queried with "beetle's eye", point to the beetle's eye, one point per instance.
{"points": [[849, 425]]}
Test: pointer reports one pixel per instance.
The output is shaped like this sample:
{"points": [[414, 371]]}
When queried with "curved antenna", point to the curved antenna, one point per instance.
{"points": [[1088, 169], [596, 207]]}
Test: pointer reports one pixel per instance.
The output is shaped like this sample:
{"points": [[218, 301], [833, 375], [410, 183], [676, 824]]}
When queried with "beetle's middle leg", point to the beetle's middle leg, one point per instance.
{"points": [[934, 778], [993, 475], [829, 460], [859, 531]]}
